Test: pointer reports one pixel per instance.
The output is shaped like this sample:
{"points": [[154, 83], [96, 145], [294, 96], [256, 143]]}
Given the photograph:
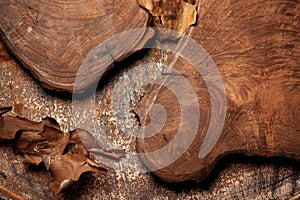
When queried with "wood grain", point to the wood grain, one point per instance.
{"points": [[52, 38], [235, 177], [256, 48], [255, 45]]}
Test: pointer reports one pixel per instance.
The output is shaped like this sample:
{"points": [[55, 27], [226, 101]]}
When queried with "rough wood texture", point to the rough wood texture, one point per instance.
{"points": [[255, 45], [172, 14], [236, 177], [63, 154], [267, 41], [52, 38]]}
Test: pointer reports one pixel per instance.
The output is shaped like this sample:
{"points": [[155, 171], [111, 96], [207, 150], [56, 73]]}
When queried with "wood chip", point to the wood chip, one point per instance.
{"points": [[62, 153], [172, 14]]}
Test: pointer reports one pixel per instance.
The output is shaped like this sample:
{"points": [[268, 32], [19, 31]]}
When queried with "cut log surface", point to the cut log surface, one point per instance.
{"points": [[256, 47], [232, 178], [52, 38]]}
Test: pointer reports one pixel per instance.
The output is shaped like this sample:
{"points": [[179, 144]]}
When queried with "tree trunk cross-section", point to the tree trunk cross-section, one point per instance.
{"points": [[52, 38], [255, 45], [238, 178]]}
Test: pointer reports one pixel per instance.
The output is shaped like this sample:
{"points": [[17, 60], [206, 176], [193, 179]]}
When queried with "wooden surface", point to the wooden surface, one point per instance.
{"points": [[52, 38], [235, 177], [256, 47]]}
